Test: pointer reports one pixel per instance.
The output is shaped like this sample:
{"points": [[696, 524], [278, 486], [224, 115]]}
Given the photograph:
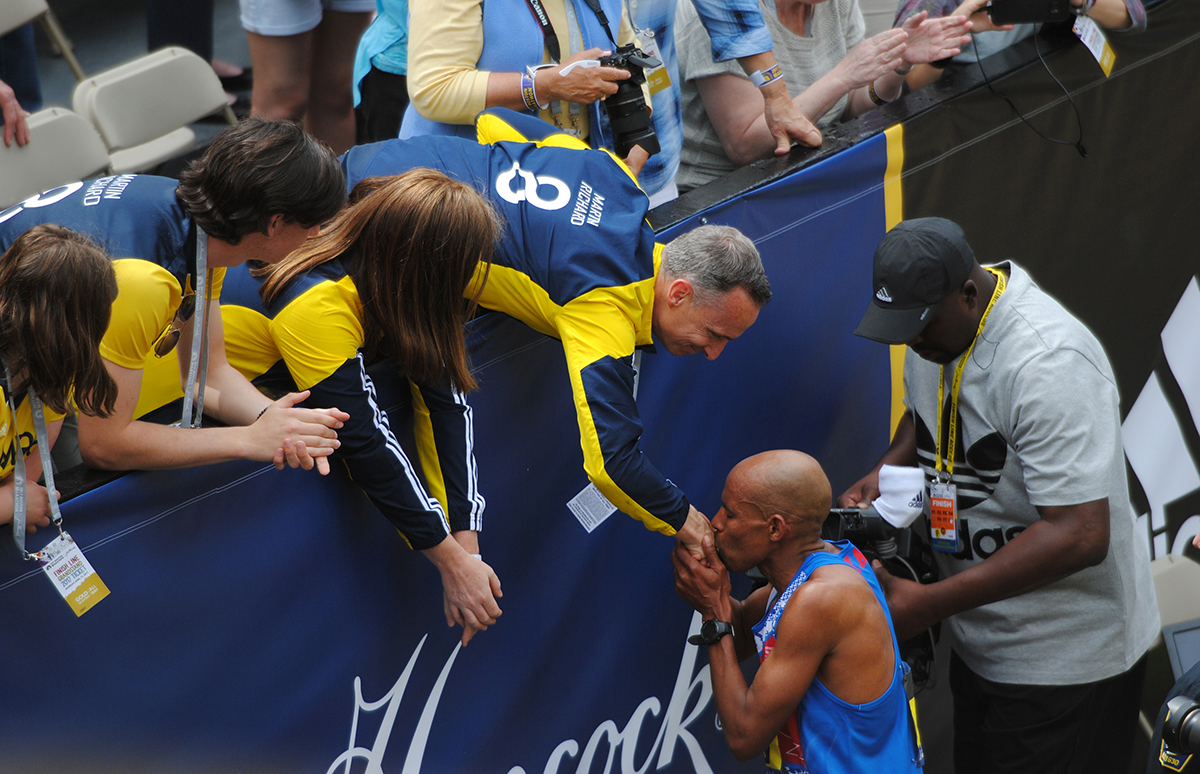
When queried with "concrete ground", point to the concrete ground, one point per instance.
{"points": [[112, 32]]}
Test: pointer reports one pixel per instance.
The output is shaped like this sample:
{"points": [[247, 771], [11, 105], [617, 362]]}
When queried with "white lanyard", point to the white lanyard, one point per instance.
{"points": [[198, 367], [43, 445]]}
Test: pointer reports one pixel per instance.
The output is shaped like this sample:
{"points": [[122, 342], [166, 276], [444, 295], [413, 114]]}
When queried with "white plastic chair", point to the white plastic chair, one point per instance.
{"points": [[142, 108], [14, 13], [62, 148]]}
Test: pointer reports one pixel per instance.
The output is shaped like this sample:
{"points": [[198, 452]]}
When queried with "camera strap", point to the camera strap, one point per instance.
{"points": [[595, 6], [201, 276], [551, 37]]}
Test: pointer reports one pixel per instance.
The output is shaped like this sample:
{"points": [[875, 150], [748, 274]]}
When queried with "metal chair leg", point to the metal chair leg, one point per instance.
{"points": [[55, 33]]}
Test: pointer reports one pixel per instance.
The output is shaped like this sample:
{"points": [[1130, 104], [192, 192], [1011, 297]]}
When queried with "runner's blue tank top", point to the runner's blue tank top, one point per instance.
{"points": [[826, 735]]}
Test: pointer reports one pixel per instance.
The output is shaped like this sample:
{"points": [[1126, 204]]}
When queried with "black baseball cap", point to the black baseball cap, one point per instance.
{"points": [[918, 263]]}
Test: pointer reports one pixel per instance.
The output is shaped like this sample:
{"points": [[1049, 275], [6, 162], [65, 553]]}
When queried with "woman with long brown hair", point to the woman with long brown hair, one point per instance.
{"points": [[56, 294], [384, 281]]}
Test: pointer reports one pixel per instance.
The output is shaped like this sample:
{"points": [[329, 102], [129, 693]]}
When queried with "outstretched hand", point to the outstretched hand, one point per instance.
{"points": [[874, 56], [931, 40], [297, 437], [695, 528], [15, 126], [469, 588]]}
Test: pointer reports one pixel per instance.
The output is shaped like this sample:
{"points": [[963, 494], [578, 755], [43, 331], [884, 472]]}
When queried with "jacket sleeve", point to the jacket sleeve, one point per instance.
{"points": [[446, 445], [735, 27], [375, 459], [599, 342]]}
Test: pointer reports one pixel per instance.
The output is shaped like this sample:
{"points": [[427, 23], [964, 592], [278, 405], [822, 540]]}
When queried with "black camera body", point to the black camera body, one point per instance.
{"points": [[900, 551], [627, 111]]}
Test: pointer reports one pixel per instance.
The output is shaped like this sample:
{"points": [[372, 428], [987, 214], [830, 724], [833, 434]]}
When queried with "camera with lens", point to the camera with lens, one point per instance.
{"points": [[900, 551], [1180, 733], [627, 111]]}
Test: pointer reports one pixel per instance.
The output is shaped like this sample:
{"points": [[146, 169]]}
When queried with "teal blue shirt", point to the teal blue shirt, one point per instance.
{"points": [[384, 44]]}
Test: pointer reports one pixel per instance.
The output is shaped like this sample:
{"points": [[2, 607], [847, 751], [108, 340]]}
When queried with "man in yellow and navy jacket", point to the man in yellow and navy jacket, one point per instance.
{"points": [[578, 262]]}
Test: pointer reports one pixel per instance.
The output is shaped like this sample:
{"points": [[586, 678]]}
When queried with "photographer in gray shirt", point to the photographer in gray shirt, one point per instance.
{"points": [[1046, 594]]}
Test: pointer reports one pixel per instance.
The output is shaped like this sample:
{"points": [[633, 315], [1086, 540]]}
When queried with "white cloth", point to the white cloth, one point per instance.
{"points": [[901, 495]]}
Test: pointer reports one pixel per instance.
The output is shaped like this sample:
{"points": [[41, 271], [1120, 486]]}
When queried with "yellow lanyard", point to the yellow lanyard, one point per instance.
{"points": [[1001, 283]]}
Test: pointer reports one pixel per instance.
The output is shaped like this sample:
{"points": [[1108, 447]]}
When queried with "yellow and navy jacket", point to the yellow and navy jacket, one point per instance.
{"points": [[577, 261], [314, 330], [140, 223]]}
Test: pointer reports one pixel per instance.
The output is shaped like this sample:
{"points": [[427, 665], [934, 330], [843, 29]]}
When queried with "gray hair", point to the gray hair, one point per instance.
{"points": [[717, 259]]}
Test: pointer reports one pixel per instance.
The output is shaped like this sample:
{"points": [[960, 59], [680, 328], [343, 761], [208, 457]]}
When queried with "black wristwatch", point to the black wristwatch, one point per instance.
{"points": [[711, 632]]}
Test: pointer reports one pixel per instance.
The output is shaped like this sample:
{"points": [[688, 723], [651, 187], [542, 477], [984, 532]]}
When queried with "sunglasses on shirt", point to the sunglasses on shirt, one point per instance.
{"points": [[167, 340]]}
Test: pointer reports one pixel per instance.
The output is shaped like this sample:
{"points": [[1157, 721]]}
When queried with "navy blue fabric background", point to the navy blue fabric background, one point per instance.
{"points": [[247, 604]]}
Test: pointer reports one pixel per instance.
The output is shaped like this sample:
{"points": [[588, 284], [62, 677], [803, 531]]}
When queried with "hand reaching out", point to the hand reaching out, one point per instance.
{"points": [[931, 40], [873, 57], [15, 126], [296, 437]]}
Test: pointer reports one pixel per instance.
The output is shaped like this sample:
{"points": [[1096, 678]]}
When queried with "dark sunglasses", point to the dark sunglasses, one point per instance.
{"points": [[167, 340]]}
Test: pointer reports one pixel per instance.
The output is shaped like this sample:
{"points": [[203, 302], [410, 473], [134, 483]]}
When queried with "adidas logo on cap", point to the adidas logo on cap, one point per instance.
{"points": [[883, 295]]}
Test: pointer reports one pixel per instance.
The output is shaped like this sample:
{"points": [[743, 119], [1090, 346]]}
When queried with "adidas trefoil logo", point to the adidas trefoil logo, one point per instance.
{"points": [[883, 295]]}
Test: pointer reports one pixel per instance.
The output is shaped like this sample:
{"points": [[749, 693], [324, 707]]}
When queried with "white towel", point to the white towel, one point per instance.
{"points": [[901, 495]]}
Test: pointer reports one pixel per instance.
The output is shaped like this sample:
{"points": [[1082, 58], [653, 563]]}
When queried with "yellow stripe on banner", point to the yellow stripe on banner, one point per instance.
{"points": [[893, 213], [897, 357], [893, 197]]}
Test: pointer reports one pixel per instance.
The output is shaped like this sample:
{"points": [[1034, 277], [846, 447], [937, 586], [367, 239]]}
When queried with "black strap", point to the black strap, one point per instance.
{"points": [[595, 6], [543, 20]]}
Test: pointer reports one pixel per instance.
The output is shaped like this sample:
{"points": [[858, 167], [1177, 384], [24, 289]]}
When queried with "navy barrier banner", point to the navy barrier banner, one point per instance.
{"points": [[265, 621]]}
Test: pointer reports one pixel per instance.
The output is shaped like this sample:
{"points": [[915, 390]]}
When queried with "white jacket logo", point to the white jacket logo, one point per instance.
{"points": [[529, 189]]}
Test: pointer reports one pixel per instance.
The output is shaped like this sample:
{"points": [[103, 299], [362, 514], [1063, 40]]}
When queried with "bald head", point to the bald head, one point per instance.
{"points": [[786, 482]]}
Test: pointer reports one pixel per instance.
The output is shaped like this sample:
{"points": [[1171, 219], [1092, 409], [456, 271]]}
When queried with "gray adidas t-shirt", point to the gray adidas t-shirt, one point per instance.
{"points": [[1039, 424]]}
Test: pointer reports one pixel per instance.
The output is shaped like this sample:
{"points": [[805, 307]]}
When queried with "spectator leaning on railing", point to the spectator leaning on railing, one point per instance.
{"points": [[833, 72], [56, 294], [258, 191]]}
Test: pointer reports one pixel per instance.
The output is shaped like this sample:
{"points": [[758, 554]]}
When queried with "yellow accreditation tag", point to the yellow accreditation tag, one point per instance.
{"points": [[1094, 39], [72, 574], [943, 517], [658, 78]]}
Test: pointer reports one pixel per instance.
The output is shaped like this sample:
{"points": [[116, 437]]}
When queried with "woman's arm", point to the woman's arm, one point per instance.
{"points": [[445, 42]]}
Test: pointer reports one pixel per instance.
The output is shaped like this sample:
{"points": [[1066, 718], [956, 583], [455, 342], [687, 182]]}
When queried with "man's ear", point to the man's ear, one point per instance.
{"points": [[777, 527], [274, 224], [970, 292], [677, 291]]}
